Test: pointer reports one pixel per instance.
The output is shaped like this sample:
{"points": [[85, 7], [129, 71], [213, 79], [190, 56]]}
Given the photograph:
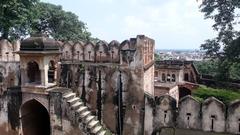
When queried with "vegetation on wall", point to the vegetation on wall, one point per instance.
{"points": [[21, 18], [223, 95]]}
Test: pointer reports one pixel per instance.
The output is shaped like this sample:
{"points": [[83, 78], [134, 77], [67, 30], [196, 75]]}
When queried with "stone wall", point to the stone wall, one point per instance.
{"points": [[9, 65], [209, 116], [109, 78]]}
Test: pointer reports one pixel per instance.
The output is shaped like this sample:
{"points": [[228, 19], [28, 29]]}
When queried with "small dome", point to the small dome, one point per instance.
{"points": [[39, 42]]}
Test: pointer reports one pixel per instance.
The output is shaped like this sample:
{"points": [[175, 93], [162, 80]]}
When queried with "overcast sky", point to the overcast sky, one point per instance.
{"points": [[173, 24]]}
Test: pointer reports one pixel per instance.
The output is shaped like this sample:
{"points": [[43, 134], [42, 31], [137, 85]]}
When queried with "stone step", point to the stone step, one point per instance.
{"points": [[76, 105], [73, 100], [92, 124], [69, 96], [85, 114], [67, 92], [89, 118], [96, 129], [81, 109], [102, 132]]}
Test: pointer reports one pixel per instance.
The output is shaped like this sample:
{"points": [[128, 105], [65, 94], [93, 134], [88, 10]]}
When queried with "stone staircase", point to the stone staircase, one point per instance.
{"points": [[80, 114]]}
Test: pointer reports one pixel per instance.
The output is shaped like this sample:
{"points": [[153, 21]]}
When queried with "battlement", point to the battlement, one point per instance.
{"points": [[211, 115], [139, 49], [7, 51]]}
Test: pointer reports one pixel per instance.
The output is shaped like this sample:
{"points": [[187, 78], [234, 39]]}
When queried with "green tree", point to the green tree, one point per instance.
{"points": [[208, 67], [225, 14], [59, 24], [157, 56], [15, 16], [19, 18]]}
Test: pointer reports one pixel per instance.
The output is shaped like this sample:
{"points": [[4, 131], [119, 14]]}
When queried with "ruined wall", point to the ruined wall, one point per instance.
{"points": [[7, 50], [9, 65], [149, 80], [210, 115], [12, 102], [109, 79]]}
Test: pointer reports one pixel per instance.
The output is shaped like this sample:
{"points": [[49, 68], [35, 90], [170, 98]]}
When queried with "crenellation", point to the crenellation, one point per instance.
{"points": [[102, 52], [67, 51], [92, 87], [164, 112], [114, 47], [78, 52], [233, 117], [213, 115], [209, 115], [189, 113]]}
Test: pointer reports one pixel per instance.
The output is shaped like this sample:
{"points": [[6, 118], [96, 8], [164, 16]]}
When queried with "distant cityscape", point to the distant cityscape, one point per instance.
{"points": [[185, 54]]}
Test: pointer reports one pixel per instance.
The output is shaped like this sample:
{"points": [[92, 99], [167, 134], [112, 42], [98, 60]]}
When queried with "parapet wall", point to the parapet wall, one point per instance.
{"points": [[211, 115], [7, 51], [113, 52]]}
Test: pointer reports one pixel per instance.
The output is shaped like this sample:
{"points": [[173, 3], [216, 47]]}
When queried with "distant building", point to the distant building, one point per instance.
{"points": [[175, 77]]}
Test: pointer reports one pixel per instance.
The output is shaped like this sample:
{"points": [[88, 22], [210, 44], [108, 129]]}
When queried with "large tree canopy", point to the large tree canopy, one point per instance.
{"points": [[15, 16], [225, 14], [19, 18], [225, 47], [59, 24]]}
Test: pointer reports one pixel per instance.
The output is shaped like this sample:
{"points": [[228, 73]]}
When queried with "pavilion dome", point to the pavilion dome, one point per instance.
{"points": [[39, 42]]}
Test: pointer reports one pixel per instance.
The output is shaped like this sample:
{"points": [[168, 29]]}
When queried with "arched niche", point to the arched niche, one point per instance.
{"points": [[33, 72], [52, 71]]}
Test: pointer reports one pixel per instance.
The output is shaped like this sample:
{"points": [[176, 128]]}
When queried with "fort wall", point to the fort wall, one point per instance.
{"points": [[210, 116]]}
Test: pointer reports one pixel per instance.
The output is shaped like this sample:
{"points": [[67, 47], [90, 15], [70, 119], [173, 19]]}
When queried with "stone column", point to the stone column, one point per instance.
{"points": [[43, 79]]}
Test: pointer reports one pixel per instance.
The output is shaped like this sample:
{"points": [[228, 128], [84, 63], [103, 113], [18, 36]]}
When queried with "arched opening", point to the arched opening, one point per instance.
{"points": [[168, 78], [173, 77], [155, 73], [51, 72], [186, 77], [184, 92], [33, 72], [35, 119], [1, 77], [163, 77]]}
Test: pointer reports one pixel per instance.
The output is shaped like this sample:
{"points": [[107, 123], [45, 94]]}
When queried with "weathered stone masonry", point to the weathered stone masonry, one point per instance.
{"points": [[211, 115], [99, 89], [98, 72]]}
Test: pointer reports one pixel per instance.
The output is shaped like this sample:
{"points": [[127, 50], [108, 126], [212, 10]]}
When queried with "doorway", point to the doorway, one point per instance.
{"points": [[35, 119]]}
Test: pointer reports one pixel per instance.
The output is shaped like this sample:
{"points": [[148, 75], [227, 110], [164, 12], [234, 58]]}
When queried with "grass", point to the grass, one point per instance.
{"points": [[223, 95]]}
